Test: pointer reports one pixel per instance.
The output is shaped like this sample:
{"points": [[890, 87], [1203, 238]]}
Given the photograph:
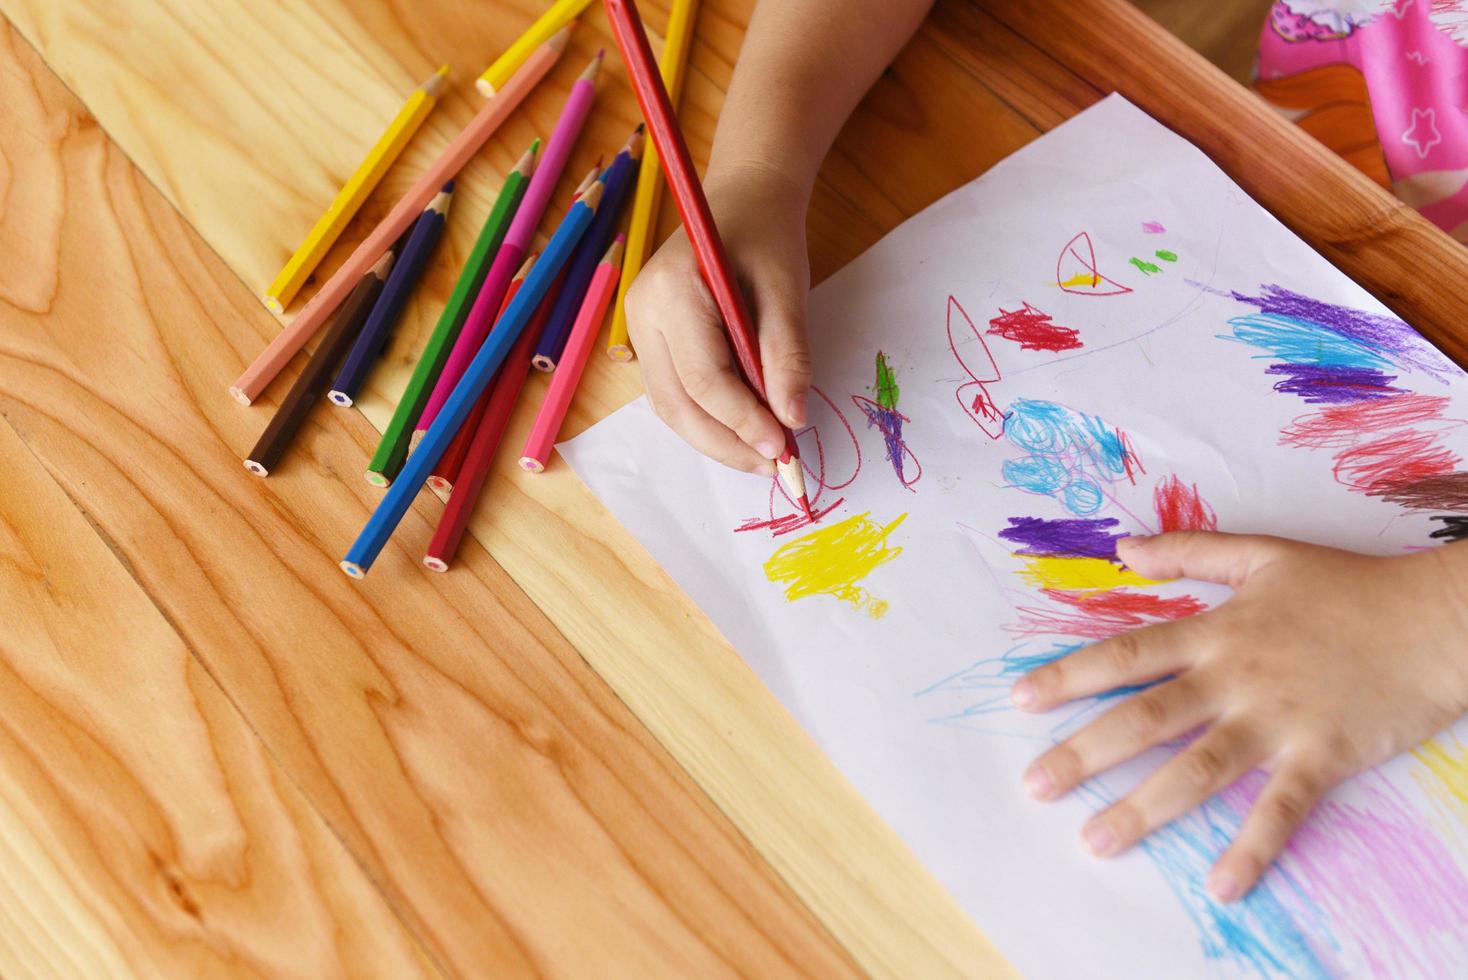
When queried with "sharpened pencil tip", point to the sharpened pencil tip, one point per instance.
{"points": [[561, 38], [592, 198], [589, 75], [435, 83]]}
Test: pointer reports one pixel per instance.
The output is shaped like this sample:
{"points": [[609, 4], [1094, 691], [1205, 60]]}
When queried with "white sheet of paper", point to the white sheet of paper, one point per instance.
{"points": [[1068, 345]]}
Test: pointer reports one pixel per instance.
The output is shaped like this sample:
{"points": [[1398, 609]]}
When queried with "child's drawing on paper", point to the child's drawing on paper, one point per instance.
{"points": [[833, 560]]}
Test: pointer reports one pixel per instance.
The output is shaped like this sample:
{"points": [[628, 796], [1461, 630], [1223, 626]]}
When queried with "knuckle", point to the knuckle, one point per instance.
{"points": [[1123, 654], [1145, 715], [700, 383], [1285, 809], [1202, 766], [794, 360]]}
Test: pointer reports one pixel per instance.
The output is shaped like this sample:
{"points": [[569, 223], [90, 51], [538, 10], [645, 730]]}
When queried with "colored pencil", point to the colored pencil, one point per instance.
{"points": [[642, 227], [561, 14], [290, 340], [399, 496], [393, 448], [354, 192], [488, 434], [618, 181], [406, 272], [578, 348], [312, 382], [442, 478], [517, 240], [698, 220]]}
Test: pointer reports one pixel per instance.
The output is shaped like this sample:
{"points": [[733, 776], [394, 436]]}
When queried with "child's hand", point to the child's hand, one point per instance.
{"points": [[687, 365], [1324, 663]]}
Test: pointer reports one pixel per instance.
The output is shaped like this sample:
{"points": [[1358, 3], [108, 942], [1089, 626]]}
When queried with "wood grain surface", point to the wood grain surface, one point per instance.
{"points": [[447, 728], [504, 802]]}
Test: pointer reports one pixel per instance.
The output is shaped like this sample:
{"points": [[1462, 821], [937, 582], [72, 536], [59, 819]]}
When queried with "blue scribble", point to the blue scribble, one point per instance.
{"points": [[1296, 341], [1072, 455]]}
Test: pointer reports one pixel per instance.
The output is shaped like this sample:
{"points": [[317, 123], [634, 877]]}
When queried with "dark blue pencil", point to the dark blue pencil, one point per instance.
{"points": [[618, 180], [422, 240], [475, 380]]}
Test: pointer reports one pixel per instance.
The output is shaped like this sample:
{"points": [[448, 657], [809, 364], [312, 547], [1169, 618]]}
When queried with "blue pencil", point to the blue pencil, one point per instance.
{"points": [[618, 180], [370, 342], [476, 379]]}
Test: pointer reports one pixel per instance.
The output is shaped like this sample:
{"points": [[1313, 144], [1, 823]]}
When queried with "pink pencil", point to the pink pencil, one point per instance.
{"points": [[517, 241], [573, 360], [288, 342]]}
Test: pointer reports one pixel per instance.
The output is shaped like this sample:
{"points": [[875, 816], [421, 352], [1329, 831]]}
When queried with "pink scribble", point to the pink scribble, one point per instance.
{"points": [[1153, 228]]}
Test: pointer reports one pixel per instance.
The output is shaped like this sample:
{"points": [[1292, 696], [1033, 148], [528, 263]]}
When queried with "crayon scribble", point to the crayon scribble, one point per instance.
{"points": [[828, 467], [1099, 615], [1072, 457], [1165, 255], [1144, 267], [831, 561], [1180, 507], [1064, 538], [1033, 329], [1080, 575], [974, 395], [882, 414], [1153, 228], [1076, 271], [1442, 774]]}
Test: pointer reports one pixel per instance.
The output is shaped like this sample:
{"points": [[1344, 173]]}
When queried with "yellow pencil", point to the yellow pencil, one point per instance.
{"points": [[643, 223], [329, 227], [561, 13]]}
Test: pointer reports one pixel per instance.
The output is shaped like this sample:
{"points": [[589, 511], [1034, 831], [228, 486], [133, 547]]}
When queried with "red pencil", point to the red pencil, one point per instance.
{"points": [[453, 457], [469, 481], [693, 207]]}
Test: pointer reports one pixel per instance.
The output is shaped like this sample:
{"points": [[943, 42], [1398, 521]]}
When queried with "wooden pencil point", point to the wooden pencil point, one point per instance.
{"points": [[593, 69], [561, 38], [526, 164], [436, 82], [635, 143], [586, 182], [593, 195]]}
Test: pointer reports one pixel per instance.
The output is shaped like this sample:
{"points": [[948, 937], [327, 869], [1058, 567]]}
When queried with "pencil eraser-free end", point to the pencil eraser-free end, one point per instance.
{"points": [[531, 465], [353, 569], [339, 398], [238, 394], [256, 468], [619, 353], [436, 564], [377, 479], [542, 363]]}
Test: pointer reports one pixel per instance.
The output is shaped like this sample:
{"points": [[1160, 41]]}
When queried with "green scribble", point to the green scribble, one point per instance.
{"points": [[1166, 256], [887, 390], [1147, 268]]}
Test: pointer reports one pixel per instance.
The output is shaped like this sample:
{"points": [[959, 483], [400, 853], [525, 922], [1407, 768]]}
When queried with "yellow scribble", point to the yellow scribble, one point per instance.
{"points": [[1084, 279], [1449, 767], [832, 560], [1078, 574]]}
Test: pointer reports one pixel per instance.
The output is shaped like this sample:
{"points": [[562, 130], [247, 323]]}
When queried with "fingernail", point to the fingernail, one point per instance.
{"points": [[765, 469], [1224, 887], [1099, 839], [769, 450], [1132, 540], [1022, 693], [1039, 784], [795, 410]]}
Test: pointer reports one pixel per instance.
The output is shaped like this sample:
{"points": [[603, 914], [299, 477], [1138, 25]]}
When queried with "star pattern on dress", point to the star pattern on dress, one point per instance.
{"points": [[1418, 57], [1399, 8], [1423, 134]]}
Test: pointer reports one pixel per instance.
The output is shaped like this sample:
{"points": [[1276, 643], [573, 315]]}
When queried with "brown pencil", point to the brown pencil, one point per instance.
{"points": [[316, 376]]}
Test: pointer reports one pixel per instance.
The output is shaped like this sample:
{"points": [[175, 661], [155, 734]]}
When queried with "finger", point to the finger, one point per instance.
{"points": [[1141, 721], [699, 348], [1287, 800], [1219, 757], [692, 423], [1138, 657], [1208, 556], [785, 351]]}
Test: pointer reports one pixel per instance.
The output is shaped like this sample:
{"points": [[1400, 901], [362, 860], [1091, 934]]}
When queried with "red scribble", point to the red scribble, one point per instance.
{"points": [[1033, 329], [1077, 262], [1182, 508], [974, 395], [1341, 426], [1129, 458], [818, 480], [1399, 458], [1101, 615]]}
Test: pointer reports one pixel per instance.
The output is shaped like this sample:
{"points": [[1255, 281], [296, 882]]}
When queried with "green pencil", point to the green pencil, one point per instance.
{"points": [[393, 450]]}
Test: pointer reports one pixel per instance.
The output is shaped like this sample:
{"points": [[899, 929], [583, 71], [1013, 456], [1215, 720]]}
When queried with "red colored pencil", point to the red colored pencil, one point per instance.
{"points": [[698, 220], [453, 457], [469, 481]]}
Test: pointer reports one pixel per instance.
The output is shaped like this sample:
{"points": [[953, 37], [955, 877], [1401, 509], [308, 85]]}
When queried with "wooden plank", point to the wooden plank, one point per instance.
{"points": [[144, 829], [503, 799]]}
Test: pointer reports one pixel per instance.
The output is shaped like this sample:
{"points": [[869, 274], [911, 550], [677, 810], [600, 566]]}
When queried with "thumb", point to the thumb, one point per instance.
{"points": [[1208, 556], [785, 352]]}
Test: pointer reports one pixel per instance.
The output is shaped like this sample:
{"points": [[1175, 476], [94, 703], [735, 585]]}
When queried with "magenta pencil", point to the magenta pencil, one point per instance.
{"points": [[517, 241], [573, 360]]}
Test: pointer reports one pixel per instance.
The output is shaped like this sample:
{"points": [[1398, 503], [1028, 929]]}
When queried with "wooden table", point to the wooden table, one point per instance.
{"points": [[217, 753]]}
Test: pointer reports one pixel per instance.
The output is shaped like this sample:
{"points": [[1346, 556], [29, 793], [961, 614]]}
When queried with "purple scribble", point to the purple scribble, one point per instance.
{"points": [[1333, 384], [1395, 898], [1069, 538], [1385, 334], [889, 421]]}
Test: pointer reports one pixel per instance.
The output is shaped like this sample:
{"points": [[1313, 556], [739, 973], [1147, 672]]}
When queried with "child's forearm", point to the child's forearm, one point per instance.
{"points": [[804, 66]]}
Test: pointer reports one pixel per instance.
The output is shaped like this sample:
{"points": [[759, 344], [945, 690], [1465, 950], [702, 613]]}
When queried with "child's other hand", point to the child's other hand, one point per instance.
{"points": [[1323, 663], [687, 365]]}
